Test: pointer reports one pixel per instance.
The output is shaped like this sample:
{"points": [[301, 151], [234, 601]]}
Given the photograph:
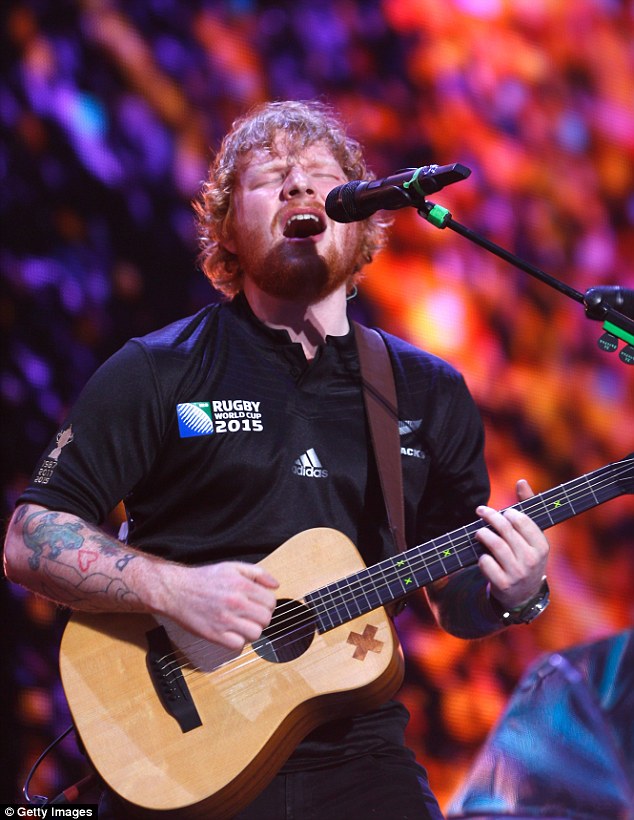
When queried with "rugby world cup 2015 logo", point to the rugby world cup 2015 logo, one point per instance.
{"points": [[194, 419]]}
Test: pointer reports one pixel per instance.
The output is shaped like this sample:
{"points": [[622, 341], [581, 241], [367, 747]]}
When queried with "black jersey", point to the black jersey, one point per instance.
{"points": [[223, 441]]}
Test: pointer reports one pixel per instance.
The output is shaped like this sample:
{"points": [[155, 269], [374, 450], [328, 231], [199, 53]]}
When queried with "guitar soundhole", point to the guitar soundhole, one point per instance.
{"points": [[289, 634]]}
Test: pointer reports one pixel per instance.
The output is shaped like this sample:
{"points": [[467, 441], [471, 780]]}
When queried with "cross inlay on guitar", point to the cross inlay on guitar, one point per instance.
{"points": [[365, 643]]}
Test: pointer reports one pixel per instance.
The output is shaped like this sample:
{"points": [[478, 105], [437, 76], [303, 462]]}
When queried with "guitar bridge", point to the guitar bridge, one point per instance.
{"points": [[168, 680]]}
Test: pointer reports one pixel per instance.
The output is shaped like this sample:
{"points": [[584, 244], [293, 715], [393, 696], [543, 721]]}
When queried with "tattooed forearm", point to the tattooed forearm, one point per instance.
{"points": [[74, 589], [74, 563], [48, 535]]}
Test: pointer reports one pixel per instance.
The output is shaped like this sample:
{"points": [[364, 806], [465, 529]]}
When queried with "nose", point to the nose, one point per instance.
{"points": [[296, 183]]}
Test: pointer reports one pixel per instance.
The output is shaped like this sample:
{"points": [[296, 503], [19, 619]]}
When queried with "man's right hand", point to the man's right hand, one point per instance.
{"points": [[228, 603]]}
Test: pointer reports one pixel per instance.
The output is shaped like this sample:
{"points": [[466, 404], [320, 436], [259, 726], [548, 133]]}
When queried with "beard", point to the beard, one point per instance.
{"points": [[296, 271]]}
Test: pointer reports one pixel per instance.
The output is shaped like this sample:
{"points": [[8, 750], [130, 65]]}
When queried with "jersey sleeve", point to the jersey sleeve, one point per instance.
{"points": [[107, 443]]}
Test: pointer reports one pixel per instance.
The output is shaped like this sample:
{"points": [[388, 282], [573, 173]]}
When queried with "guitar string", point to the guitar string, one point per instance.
{"points": [[415, 565]]}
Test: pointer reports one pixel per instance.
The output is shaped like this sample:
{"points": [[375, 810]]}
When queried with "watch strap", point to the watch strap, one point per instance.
{"points": [[525, 613]]}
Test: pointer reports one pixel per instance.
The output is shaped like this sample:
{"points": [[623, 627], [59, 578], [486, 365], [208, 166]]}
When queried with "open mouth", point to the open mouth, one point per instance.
{"points": [[303, 226]]}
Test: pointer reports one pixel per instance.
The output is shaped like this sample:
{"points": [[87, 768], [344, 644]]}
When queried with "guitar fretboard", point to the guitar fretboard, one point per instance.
{"points": [[394, 578]]}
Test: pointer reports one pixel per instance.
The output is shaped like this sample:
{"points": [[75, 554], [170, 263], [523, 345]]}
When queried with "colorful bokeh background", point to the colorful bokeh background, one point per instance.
{"points": [[110, 111]]}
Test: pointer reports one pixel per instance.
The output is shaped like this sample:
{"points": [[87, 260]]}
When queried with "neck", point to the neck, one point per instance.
{"points": [[306, 322]]}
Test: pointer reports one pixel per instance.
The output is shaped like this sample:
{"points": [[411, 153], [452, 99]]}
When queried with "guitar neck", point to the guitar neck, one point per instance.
{"points": [[399, 576]]}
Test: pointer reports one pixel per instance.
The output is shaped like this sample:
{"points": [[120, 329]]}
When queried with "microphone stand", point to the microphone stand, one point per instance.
{"points": [[617, 326]]}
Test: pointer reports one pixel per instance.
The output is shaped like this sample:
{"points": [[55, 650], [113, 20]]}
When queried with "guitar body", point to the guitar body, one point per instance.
{"points": [[253, 710]]}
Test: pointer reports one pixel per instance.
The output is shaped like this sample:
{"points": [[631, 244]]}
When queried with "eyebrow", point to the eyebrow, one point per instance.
{"points": [[273, 163]]}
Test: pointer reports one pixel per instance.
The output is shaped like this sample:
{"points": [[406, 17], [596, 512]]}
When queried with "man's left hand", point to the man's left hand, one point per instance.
{"points": [[517, 551]]}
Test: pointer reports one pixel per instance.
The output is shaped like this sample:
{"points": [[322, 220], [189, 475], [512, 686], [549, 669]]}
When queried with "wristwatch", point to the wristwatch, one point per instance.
{"points": [[527, 612]]}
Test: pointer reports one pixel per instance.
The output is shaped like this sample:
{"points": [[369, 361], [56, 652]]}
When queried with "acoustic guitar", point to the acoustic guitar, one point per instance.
{"points": [[176, 725]]}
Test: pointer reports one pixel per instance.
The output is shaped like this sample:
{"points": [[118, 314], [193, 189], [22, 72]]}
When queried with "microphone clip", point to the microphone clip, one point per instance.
{"points": [[614, 306]]}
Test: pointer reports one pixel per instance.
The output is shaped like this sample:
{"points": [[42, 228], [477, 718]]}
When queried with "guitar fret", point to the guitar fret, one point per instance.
{"points": [[333, 611], [587, 481], [360, 591], [405, 571], [546, 509], [316, 601], [559, 503], [363, 577], [439, 556], [343, 602], [395, 586], [331, 607], [476, 549], [456, 552], [448, 555], [340, 587], [374, 598], [328, 608], [568, 500], [431, 564]]}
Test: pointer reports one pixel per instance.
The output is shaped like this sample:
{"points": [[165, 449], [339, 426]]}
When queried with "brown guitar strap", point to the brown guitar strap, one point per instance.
{"points": [[379, 392]]}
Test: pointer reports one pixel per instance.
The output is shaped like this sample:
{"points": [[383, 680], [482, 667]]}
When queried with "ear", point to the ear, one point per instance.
{"points": [[227, 242]]}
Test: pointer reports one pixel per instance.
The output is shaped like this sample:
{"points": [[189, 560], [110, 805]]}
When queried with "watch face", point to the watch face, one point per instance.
{"points": [[535, 606]]}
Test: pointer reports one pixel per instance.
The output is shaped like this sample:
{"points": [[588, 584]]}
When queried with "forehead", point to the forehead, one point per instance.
{"points": [[287, 151]]}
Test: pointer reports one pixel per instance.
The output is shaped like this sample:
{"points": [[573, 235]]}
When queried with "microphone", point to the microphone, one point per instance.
{"points": [[359, 199], [597, 300]]}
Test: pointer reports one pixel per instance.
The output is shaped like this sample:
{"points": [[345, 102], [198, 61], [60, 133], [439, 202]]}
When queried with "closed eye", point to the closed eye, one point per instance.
{"points": [[269, 179]]}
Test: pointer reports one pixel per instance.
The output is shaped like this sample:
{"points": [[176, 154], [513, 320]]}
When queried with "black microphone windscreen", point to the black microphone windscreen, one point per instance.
{"points": [[340, 202]]}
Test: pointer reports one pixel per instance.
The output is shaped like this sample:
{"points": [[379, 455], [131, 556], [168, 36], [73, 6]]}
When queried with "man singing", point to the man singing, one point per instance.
{"points": [[230, 431]]}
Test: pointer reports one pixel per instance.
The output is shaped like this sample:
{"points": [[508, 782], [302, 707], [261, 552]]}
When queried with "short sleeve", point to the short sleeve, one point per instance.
{"points": [[106, 444]]}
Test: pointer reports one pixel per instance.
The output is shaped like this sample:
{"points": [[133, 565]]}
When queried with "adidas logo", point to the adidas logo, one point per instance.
{"points": [[309, 465]]}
